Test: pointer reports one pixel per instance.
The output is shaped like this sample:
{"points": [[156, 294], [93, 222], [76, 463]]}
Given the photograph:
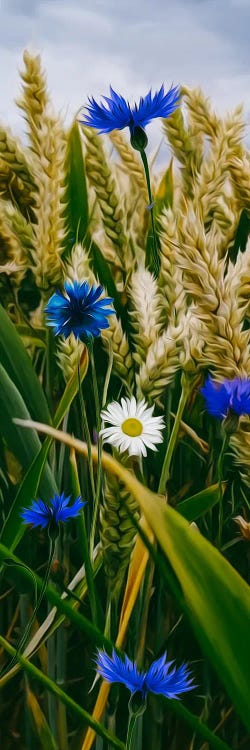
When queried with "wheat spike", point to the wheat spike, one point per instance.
{"points": [[146, 311], [184, 147], [170, 278], [200, 111], [20, 227], [226, 346], [68, 353], [34, 99], [16, 180], [101, 178], [11, 250], [122, 363], [78, 267], [117, 532], [161, 364], [49, 229], [240, 279], [133, 166], [240, 174], [199, 264], [191, 354], [240, 444], [212, 182]]}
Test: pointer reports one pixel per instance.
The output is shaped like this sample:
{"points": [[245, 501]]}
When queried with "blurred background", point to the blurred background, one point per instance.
{"points": [[85, 46]]}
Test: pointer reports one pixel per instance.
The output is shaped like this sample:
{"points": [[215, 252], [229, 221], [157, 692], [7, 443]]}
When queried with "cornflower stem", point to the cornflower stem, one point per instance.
{"points": [[99, 448], [85, 427], [86, 718], [131, 726], [155, 254], [165, 473], [220, 480], [26, 633], [84, 542]]}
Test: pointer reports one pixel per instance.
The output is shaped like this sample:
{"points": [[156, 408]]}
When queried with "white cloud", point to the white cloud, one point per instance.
{"points": [[133, 45]]}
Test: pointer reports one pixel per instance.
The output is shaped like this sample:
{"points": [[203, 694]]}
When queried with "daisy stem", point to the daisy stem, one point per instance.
{"points": [[99, 448], [85, 428], [108, 373], [220, 478], [165, 473], [155, 254], [26, 633]]}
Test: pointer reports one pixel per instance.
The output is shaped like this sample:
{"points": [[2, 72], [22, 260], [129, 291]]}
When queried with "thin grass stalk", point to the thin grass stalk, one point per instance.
{"points": [[48, 684], [155, 254], [26, 633], [220, 480], [86, 428], [81, 622], [96, 498], [165, 473], [84, 541]]}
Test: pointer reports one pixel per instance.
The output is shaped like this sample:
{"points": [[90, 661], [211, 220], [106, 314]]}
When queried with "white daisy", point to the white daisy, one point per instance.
{"points": [[133, 427]]}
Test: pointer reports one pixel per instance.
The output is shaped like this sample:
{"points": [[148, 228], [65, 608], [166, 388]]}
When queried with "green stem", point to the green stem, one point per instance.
{"points": [[131, 726], [86, 718], [99, 448], [86, 428], [220, 480], [155, 254], [165, 473], [108, 374], [49, 371], [26, 633], [84, 543]]}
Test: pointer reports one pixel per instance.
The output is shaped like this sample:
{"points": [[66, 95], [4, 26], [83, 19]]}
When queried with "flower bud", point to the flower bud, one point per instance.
{"points": [[138, 138], [53, 529], [137, 703], [230, 423]]}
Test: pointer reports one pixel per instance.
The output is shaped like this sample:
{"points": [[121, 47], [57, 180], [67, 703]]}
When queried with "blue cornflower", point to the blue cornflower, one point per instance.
{"points": [[229, 397], [118, 114], [79, 310], [158, 679], [41, 514]]}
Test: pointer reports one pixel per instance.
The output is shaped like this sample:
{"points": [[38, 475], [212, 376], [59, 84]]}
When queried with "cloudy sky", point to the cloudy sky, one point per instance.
{"points": [[133, 44]]}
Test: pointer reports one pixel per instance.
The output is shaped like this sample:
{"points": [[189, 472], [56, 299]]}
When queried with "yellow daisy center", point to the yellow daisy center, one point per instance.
{"points": [[132, 427]]}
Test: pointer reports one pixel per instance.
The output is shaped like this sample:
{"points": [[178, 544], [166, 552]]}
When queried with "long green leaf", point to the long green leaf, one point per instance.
{"points": [[63, 606], [25, 448], [194, 507], [66, 610], [12, 530], [18, 365], [83, 715], [102, 270], [40, 725], [77, 195], [217, 598]]}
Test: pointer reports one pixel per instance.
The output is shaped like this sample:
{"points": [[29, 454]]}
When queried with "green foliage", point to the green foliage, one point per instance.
{"points": [[77, 194], [69, 209]]}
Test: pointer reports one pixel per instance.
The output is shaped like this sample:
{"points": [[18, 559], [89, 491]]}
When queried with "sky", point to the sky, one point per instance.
{"points": [[132, 44]]}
